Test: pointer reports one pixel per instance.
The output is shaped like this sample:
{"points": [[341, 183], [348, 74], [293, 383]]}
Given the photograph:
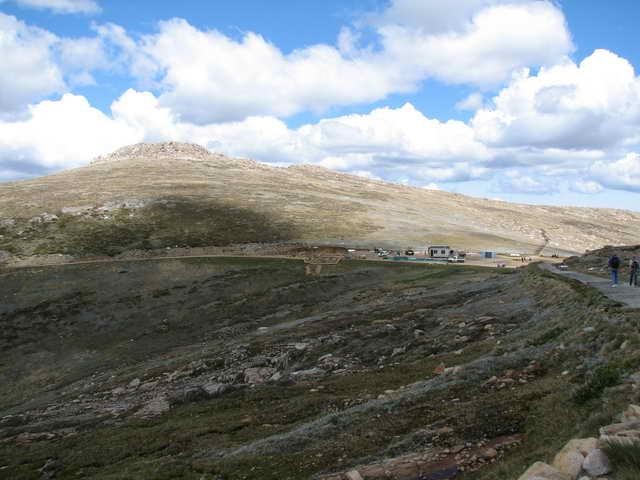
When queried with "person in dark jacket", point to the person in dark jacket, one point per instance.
{"points": [[633, 272], [614, 264]]}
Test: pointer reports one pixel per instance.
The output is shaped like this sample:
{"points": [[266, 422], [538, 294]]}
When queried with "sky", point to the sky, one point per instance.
{"points": [[529, 101]]}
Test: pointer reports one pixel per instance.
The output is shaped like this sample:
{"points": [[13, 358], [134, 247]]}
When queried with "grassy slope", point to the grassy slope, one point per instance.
{"points": [[313, 204], [73, 332]]}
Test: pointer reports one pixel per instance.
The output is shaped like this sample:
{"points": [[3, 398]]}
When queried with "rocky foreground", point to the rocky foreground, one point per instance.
{"points": [[249, 369], [157, 195]]}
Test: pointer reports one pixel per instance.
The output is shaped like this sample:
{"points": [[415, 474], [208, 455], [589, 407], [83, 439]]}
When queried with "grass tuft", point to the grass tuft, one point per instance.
{"points": [[624, 458]]}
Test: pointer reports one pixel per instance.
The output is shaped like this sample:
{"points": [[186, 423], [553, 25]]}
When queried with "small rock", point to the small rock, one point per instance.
{"points": [[489, 453], [135, 383], [397, 351], [48, 470], [147, 386], [117, 391]]}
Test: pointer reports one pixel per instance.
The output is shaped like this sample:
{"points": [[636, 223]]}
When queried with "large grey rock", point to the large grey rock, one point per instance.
{"points": [[584, 445], [632, 413], [596, 463], [258, 375], [191, 393], [312, 372], [354, 475], [542, 471], [216, 389], [153, 408], [569, 462], [626, 433]]}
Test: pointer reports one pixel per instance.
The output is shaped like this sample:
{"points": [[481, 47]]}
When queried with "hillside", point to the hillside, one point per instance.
{"points": [[155, 195], [238, 369]]}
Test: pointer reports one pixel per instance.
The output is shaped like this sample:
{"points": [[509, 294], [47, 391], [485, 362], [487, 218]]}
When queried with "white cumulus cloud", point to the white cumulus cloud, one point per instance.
{"points": [[207, 76], [28, 69], [623, 174], [61, 134], [62, 6], [593, 105]]}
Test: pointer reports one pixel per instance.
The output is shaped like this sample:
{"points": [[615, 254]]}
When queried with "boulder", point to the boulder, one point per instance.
{"points": [[118, 391], [192, 393], [632, 413], [583, 445], [153, 408], [135, 383], [439, 370], [488, 453], [312, 372], [215, 389], [628, 432], [570, 459], [258, 375], [354, 475], [569, 462], [596, 463], [543, 471]]}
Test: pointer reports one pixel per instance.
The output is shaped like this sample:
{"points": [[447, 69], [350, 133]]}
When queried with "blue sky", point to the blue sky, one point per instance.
{"points": [[523, 100]]}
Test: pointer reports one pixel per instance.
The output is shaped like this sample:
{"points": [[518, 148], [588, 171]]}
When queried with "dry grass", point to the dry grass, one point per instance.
{"points": [[320, 205]]}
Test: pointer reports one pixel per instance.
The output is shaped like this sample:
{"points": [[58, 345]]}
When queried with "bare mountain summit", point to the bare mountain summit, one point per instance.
{"points": [[152, 195]]}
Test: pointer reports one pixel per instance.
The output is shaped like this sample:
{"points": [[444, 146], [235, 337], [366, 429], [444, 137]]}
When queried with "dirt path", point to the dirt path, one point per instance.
{"points": [[623, 293], [547, 240]]}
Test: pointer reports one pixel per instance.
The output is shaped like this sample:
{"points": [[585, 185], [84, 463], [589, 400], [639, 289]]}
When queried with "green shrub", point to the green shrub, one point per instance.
{"points": [[603, 377]]}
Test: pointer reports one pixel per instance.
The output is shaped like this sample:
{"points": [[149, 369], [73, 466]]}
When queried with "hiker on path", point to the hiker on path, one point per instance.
{"points": [[614, 264], [633, 272]]}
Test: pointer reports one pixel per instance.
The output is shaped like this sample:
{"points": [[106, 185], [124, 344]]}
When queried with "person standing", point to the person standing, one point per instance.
{"points": [[614, 264], [633, 272]]}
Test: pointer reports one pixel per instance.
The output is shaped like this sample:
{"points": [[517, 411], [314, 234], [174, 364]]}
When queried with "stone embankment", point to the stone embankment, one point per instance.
{"points": [[585, 458]]}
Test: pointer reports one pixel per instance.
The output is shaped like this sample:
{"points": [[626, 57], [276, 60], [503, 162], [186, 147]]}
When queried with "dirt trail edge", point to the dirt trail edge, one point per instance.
{"points": [[623, 293]]}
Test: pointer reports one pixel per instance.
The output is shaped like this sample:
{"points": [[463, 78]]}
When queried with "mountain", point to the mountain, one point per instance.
{"points": [[155, 195]]}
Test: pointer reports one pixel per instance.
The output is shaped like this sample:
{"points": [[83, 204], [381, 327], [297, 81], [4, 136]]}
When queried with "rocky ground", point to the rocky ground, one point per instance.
{"points": [[247, 368]]}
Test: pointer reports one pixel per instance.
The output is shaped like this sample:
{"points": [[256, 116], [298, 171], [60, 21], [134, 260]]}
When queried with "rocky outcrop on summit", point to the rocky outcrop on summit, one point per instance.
{"points": [[150, 150]]}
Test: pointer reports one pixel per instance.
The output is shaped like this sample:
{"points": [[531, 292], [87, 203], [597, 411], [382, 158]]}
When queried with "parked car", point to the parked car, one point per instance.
{"points": [[455, 259], [409, 251]]}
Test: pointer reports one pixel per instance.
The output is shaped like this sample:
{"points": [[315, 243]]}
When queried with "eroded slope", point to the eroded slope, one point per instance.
{"points": [[239, 369]]}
